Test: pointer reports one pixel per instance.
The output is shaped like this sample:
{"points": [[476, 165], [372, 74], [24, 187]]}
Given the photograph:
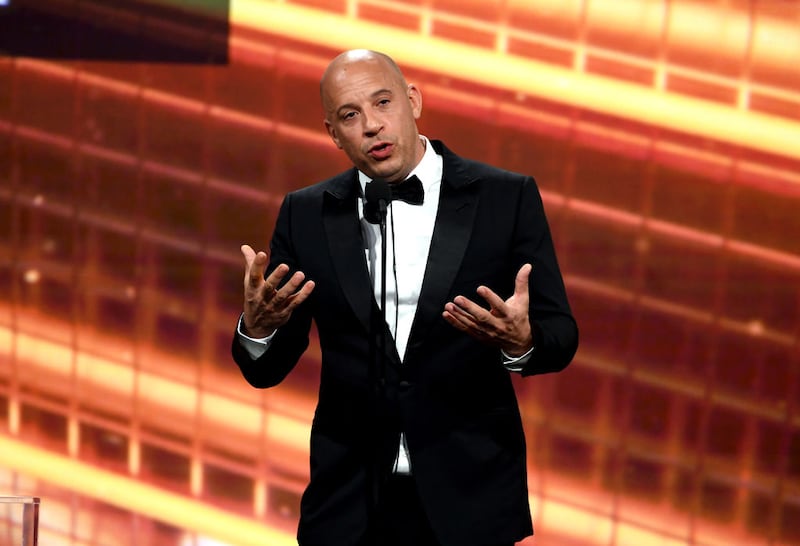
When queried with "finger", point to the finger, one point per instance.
{"points": [[522, 282], [251, 280], [273, 281], [495, 302], [465, 317], [463, 322], [289, 288], [456, 318], [447, 316], [249, 254], [255, 264], [475, 312], [301, 295]]}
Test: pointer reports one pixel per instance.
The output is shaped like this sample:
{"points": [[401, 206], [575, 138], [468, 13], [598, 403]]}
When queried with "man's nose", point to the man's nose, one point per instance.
{"points": [[372, 124]]}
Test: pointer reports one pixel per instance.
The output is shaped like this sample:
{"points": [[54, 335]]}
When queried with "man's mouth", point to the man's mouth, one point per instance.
{"points": [[379, 151]]}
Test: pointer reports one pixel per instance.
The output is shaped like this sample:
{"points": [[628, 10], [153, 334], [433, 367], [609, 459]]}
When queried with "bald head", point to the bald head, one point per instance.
{"points": [[344, 62]]}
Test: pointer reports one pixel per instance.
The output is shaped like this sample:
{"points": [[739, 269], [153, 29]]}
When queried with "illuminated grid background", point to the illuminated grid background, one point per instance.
{"points": [[126, 190]]}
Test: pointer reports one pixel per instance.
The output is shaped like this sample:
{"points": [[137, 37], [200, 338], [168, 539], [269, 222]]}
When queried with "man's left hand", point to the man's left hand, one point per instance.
{"points": [[505, 324]]}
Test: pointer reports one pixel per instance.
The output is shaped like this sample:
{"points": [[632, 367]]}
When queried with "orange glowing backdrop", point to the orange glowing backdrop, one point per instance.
{"points": [[665, 135]]}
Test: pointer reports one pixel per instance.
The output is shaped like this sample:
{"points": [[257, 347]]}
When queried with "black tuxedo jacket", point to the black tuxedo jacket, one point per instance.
{"points": [[451, 395]]}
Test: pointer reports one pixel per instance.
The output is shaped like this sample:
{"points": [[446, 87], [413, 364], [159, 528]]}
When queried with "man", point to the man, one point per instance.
{"points": [[417, 437]]}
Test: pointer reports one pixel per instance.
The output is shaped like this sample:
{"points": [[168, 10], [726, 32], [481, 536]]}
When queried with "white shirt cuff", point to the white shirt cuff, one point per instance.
{"points": [[255, 346], [516, 363]]}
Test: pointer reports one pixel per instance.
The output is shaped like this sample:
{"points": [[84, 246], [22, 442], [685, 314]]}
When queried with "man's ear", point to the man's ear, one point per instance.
{"points": [[332, 133], [415, 97]]}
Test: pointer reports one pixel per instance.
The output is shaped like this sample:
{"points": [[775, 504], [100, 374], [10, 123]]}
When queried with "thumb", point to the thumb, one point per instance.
{"points": [[521, 282], [254, 265], [249, 254]]}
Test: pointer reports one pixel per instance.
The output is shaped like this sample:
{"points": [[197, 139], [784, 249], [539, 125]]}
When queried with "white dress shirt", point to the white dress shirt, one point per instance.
{"points": [[409, 229]]}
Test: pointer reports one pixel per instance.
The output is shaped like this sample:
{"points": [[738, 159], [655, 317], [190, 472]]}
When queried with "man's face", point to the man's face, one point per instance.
{"points": [[371, 114]]}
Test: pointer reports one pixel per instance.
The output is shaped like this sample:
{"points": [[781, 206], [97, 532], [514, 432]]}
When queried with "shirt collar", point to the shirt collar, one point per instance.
{"points": [[428, 170]]}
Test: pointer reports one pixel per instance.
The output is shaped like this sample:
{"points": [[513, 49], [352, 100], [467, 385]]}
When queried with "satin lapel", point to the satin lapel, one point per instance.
{"points": [[346, 245], [458, 204]]}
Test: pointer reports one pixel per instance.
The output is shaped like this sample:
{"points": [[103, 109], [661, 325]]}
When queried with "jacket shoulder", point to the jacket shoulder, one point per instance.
{"points": [[340, 185], [471, 170]]}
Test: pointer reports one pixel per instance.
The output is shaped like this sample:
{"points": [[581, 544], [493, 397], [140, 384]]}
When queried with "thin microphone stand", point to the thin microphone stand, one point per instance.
{"points": [[378, 196], [380, 384], [382, 338]]}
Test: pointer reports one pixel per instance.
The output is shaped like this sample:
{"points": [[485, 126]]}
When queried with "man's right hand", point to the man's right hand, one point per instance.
{"points": [[265, 307]]}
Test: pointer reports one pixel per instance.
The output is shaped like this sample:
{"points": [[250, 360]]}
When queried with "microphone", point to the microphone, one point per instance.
{"points": [[378, 195]]}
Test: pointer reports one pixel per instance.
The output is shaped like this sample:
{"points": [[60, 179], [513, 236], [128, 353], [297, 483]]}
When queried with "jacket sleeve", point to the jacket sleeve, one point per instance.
{"points": [[291, 340], [554, 329]]}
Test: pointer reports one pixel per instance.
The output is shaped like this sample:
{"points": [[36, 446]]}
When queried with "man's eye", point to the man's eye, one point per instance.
{"points": [[348, 115]]}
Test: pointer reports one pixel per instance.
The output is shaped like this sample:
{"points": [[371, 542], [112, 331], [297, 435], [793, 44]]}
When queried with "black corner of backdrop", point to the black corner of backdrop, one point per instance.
{"points": [[160, 31]]}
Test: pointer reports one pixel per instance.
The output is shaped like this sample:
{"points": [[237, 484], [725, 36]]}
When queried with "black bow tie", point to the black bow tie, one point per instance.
{"points": [[409, 190]]}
